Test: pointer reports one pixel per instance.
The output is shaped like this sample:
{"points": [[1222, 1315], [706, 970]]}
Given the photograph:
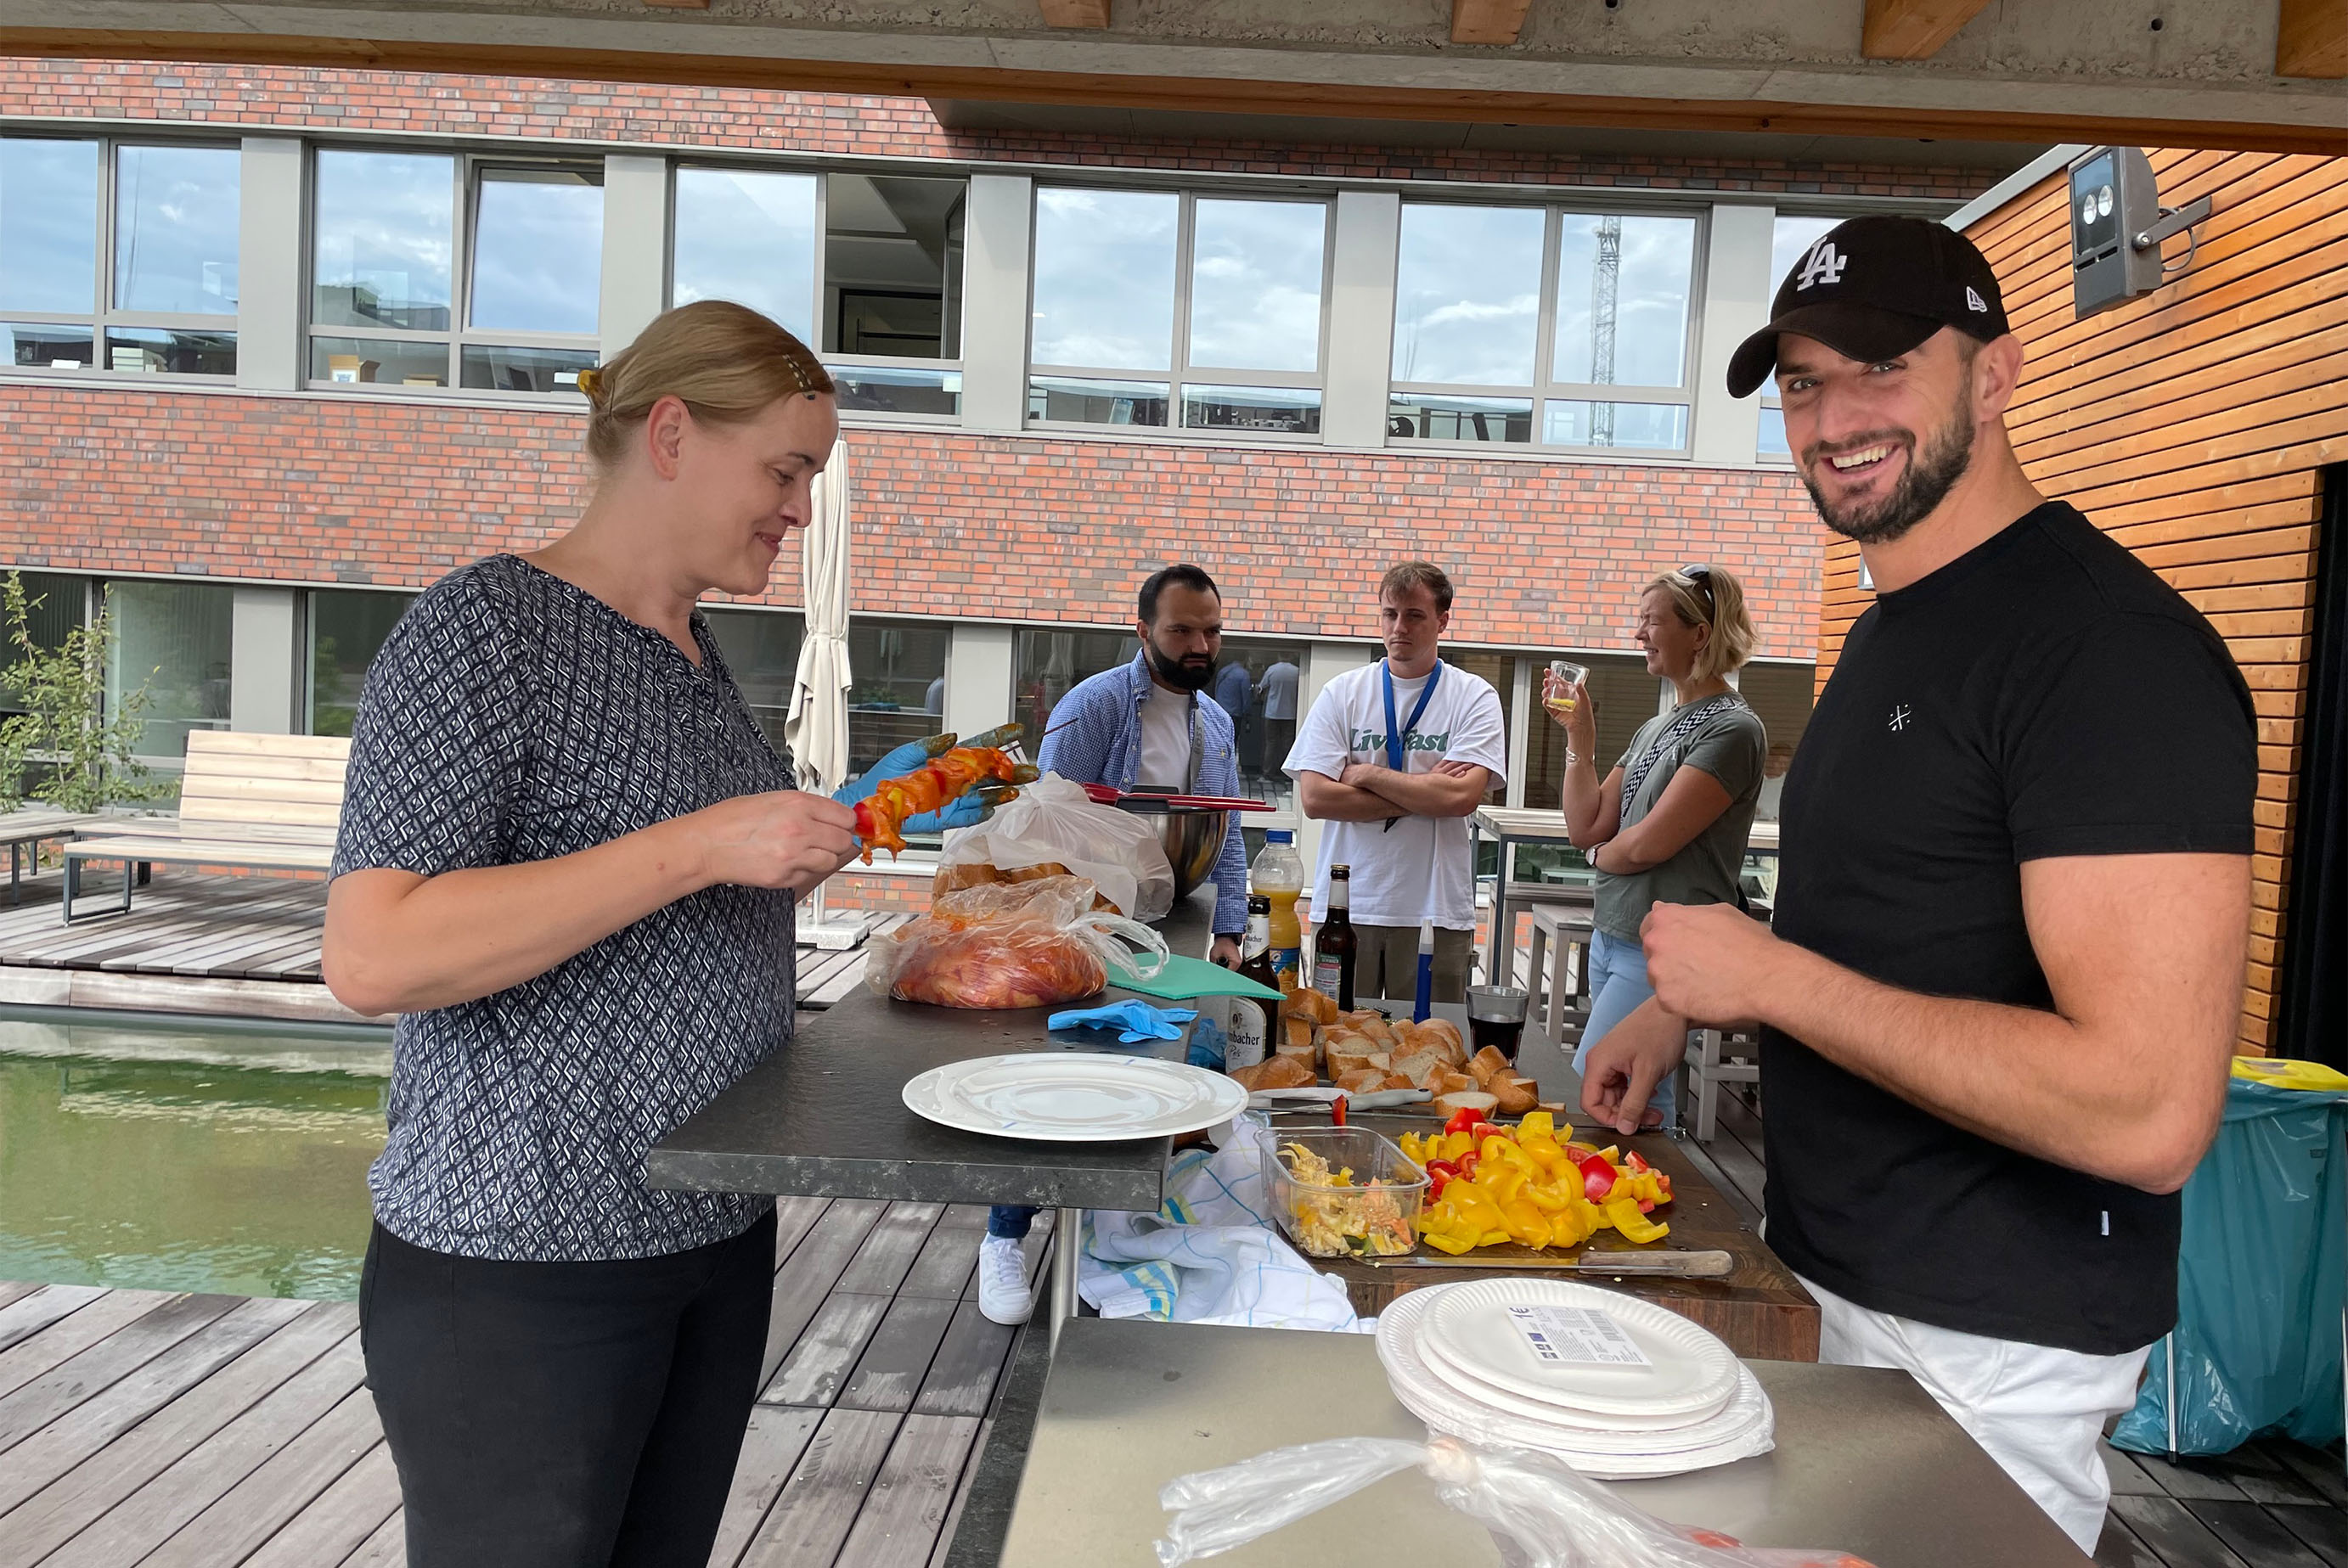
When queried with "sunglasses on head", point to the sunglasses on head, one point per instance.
{"points": [[1702, 576]]}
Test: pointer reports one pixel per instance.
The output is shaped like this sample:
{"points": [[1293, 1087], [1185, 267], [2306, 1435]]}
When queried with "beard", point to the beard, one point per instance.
{"points": [[1932, 472], [1189, 677]]}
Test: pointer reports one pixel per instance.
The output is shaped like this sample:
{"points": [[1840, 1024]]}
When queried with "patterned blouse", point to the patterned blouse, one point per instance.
{"points": [[510, 718]]}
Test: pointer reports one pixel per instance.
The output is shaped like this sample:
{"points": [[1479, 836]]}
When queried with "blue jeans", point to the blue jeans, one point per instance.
{"points": [[1009, 1220], [1617, 985]]}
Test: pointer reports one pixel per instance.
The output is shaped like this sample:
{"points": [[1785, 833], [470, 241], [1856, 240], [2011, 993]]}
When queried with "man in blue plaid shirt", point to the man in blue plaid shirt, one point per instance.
{"points": [[1146, 725]]}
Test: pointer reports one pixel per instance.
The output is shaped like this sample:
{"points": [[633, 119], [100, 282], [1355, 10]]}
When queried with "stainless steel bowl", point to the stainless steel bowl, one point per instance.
{"points": [[1194, 842]]}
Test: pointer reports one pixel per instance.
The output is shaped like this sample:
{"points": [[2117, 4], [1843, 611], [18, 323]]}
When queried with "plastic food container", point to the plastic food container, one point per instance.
{"points": [[1377, 1216]]}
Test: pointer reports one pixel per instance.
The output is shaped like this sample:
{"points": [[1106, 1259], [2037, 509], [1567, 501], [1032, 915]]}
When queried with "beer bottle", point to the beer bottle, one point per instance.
{"points": [[1253, 1021], [1336, 943]]}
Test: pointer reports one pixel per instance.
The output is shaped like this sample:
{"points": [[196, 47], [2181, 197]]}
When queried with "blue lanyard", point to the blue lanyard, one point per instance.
{"points": [[1395, 737]]}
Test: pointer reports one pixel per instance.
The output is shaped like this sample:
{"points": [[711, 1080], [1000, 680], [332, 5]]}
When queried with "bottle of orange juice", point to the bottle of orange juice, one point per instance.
{"points": [[1278, 875]]}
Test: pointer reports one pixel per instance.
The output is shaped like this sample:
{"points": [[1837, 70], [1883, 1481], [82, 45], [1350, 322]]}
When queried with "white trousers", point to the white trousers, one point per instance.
{"points": [[2038, 1410]]}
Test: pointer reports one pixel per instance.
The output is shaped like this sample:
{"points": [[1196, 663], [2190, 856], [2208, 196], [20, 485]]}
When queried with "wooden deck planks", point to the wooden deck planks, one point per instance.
{"points": [[65, 1385], [778, 1436], [817, 1507]]}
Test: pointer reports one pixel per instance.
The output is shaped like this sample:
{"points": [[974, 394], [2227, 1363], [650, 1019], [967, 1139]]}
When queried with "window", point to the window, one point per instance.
{"points": [[1529, 324], [1789, 237], [866, 268], [433, 270], [348, 628], [118, 256], [1781, 694], [898, 669], [56, 603], [172, 639], [762, 653], [1046, 664], [1153, 308]]}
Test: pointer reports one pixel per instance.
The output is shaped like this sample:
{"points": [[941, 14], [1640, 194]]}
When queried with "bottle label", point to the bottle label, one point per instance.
{"points": [[1248, 1034], [1287, 962], [1329, 976]]}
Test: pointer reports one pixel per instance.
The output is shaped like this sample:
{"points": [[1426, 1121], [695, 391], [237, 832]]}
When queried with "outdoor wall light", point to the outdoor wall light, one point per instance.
{"points": [[2117, 224]]}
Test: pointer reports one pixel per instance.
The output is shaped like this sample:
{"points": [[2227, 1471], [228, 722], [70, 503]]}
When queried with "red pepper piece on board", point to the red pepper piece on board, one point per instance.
{"points": [[1597, 1178], [1463, 1120]]}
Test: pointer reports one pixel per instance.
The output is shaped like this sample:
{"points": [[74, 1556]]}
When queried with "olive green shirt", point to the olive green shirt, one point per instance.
{"points": [[1729, 744]]}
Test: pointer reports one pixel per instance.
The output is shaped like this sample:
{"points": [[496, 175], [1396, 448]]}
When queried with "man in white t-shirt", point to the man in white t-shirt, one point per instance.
{"points": [[1395, 758]]}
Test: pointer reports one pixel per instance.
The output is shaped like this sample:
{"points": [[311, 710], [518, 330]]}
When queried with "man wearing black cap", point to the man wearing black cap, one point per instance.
{"points": [[2000, 995]]}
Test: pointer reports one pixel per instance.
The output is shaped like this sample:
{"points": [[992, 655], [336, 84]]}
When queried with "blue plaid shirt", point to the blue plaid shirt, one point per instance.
{"points": [[1102, 744]]}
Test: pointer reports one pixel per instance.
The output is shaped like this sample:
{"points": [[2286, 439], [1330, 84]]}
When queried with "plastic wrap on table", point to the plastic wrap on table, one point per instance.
{"points": [[1053, 826], [1541, 1513], [1019, 944], [2260, 1273]]}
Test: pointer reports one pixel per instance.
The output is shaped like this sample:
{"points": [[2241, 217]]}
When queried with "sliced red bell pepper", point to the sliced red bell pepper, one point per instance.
{"points": [[1441, 1173], [1464, 1121], [1337, 1112], [1597, 1178], [1637, 1167]]}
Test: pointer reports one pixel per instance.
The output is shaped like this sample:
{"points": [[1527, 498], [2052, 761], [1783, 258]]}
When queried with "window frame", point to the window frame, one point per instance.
{"points": [[1180, 371], [103, 316], [464, 202], [1544, 389], [835, 361], [1770, 403]]}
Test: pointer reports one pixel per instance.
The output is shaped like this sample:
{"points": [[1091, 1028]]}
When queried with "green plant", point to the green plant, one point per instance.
{"points": [[65, 726]]}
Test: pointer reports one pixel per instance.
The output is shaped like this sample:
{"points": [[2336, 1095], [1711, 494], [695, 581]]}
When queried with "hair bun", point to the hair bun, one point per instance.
{"points": [[591, 384]]}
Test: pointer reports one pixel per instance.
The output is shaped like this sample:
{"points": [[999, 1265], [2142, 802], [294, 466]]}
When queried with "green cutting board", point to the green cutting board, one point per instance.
{"points": [[1183, 978]]}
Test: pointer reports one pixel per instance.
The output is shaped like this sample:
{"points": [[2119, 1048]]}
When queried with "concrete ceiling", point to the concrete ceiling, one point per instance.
{"points": [[2153, 72]]}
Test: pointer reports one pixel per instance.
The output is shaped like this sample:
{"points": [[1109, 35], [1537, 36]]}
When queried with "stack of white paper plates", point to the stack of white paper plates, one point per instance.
{"points": [[1616, 1386], [1075, 1097]]}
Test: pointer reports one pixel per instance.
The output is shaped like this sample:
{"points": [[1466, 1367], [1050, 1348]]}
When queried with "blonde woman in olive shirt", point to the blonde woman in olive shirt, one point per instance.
{"points": [[1668, 825]]}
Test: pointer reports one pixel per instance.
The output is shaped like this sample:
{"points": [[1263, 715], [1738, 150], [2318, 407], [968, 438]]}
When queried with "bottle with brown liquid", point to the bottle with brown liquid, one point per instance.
{"points": [[1336, 943], [1253, 1021]]}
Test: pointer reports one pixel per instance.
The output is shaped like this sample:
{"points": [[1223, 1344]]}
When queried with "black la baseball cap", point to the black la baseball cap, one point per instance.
{"points": [[1874, 288]]}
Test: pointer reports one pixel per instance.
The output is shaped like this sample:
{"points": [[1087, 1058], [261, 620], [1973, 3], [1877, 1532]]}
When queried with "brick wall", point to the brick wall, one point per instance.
{"points": [[840, 124], [319, 488]]}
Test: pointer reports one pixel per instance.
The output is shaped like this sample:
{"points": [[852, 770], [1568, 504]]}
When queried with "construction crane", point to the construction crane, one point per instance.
{"points": [[1603, 279]]}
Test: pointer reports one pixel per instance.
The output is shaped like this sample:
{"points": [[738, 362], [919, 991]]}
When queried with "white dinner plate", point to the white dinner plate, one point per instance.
{"points": [[1075, 1097], [1745, 1427], [1469, 1340]]}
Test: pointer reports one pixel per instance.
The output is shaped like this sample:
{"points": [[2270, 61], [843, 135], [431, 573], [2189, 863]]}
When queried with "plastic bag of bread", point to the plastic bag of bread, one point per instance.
{"points": [[985, 873], [1053, 828], [1011, 945]]}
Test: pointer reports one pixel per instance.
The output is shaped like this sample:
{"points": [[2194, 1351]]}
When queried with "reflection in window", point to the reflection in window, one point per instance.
{"points": [[1653, 426], [384, 245], [48, 226], [1433, 416], [175, 229], [173, 639], [525, 369], [1104, 277], [45, 347], [538, 250], [1622, 288], [1773, 433], [1781, 694], [750, 237], [762, 653], [378, 362], [1790, 239], [1467, 295], [1071, 400], [1258, 683], [1047, 664], [171, 351], [898, 682], [880, 389], [347, 630], [893, 251], [1270, 408], [1255, 285]]}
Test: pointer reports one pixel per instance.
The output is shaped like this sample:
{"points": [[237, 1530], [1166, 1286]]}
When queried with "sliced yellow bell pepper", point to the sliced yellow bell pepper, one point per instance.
{"points": [[1445, 1241], [1410, 1148], [1540, 1124], [1547, 1197], [1526, 1225], [1623, 1213]]}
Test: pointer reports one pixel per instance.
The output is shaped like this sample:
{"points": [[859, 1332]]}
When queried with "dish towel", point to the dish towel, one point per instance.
{"points": [[1210, 1254]]}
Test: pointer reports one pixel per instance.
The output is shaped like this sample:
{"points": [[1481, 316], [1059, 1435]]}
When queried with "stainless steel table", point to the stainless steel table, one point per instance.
{"points": [[1865, 1462]]}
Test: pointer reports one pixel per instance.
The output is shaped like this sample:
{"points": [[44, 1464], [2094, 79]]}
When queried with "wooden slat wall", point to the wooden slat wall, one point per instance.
{"points": [[2191, 424]]}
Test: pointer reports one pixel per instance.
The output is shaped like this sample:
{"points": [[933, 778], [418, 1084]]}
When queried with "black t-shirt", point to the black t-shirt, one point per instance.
{"points": [[2042, 695]]}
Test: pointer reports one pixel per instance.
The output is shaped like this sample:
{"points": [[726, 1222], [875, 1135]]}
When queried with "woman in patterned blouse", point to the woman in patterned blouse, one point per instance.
{"points": [[568, 859]]}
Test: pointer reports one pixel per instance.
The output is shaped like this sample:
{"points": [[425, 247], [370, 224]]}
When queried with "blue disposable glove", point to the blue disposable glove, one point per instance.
{"points": [[1137, 1021], [965, 811]]}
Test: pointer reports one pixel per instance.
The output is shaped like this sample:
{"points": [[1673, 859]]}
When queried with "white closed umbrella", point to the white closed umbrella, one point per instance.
{"points": [[815, 726]]}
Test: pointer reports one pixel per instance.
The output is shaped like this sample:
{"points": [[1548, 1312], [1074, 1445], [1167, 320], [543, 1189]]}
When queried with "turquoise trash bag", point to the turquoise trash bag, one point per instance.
{"points": [[2259, 1276]]}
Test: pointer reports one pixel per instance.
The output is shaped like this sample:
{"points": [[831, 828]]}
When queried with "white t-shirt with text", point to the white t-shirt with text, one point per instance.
{"points": [[1421, 867]]}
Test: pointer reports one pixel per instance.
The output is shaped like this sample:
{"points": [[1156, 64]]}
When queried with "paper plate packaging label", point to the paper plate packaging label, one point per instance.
{"points": [[1559, 1335]]}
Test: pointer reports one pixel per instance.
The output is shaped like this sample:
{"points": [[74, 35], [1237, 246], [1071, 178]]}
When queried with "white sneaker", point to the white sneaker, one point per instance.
{"points": [[1002, 1294]]}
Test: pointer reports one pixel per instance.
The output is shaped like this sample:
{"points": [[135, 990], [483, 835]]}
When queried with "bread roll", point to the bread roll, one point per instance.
{"points": [[1361, 1080], [1449, 1031], [1454, 1082], [1298, 1034], [1397, 1081], [1421, 1067], [1341, 1062], [1378, 1030], [1275, 1072], [1486, 1062], [1449, 1104], [1516, 1096]]}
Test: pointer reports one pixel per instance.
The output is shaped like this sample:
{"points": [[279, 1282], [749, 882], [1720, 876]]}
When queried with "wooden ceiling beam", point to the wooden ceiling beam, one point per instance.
{"points": [[1197, 95], [1912, 29], [1074, 13], [2312, 39], [1487, 21]]}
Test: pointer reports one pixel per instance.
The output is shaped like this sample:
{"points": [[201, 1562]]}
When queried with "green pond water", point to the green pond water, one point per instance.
{"points": [[194, 1157]]}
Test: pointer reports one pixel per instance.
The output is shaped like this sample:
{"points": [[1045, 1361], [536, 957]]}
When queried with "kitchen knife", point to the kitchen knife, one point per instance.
{"points": [[1675, 1265]]}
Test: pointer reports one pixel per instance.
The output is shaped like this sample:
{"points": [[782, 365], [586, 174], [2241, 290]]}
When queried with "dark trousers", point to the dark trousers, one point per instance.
{"points": [[565, 1415], [1011, 1220]]}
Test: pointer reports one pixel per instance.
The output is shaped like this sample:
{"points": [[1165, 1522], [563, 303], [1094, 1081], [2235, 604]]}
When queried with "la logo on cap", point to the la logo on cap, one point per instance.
{"points": [[1825, 264], [1975, 301]]}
